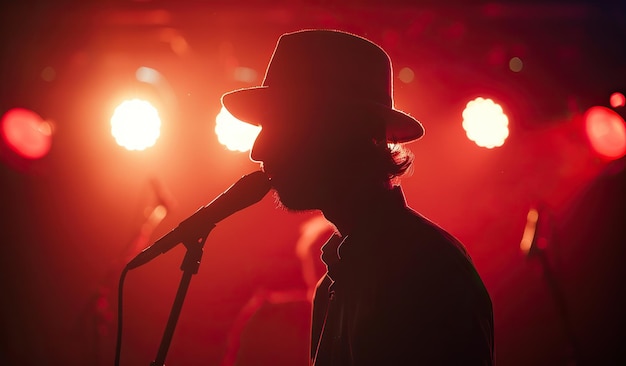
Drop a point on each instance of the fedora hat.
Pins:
(318, 67)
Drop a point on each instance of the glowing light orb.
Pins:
(485, 123)
(516, 64)
(406, 75)
(135, 124)
(26, 133)
(617, 100)
(606, 131)
(233, 133)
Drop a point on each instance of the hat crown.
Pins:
(319, 67)
(333, 65)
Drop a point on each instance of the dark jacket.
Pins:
(400, 291)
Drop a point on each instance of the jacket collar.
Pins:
(370, 227)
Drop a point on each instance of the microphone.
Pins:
(248, 190)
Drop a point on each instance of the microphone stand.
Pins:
(189, 266)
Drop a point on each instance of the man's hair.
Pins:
(364, 133)
(393, 160)
(402, 160)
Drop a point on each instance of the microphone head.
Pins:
(251, 188)
(248, 190)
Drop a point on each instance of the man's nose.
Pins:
(259, 148)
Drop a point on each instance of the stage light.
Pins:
(485, 123)
(26, 133)
(528, 239)
(135, 124)
(617, 100)
(606, 131)
(233, 133)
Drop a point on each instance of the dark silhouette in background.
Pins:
(273, 327)
(588, 253)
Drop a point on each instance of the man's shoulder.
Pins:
(415, 229)
(420, 245)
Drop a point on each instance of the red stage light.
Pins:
(26, 133)
(606, 131)
(617, 100)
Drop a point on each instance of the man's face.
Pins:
(300, 157)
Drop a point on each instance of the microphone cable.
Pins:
(118, 343)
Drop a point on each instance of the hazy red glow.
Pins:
(48, 74)
(233, 133)
(485, 123)
(245, 74)
(135, 124)
(606, 131)
(617, 100)
(26, 133)
(75, 214)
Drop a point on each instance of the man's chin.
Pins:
(292, 202)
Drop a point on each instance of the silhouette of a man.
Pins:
(399, 289)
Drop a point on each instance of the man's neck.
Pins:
(348, 207)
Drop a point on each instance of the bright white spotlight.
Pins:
(135, 124)
(233, 133)
(485, 123)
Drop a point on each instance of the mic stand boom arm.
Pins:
(190, 266)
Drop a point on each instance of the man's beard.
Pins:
(298, 194)
(294, 200)
(289, 206)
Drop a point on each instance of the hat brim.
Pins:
(250, 105)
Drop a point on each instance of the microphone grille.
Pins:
(252, 187)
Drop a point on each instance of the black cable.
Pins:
(118, 346)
